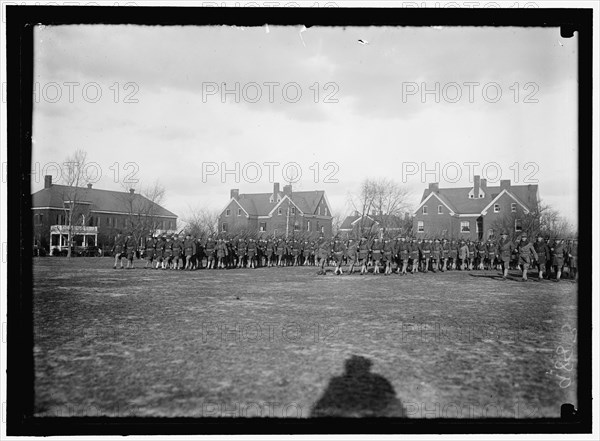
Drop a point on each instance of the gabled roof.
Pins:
(458, 201)
(258, 204)
(99, 200)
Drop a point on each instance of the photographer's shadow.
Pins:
(358, 393)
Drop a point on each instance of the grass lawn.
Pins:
(269, 341)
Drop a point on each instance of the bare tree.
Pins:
(202, 222)
(381, 201)
(74, 178)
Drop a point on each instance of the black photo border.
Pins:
(20, 362)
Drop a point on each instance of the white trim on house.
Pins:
(360, 217)
(491, 204)
(228, 203)
(438, 198)
(281, 202)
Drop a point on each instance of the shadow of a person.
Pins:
(358, 393)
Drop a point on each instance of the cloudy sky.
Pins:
(152, 102)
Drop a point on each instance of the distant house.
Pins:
(282, 212)
(357, 224)
(99, 215)
(473, 212)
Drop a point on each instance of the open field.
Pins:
(268, 341)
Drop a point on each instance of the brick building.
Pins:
(382, 224)
(282, 212)
(473, 212)
(98, 215)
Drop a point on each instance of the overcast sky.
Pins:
(369, 119)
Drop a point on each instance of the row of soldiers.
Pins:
(401, 255)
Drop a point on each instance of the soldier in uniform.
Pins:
(210, 248)
(526, 250)
(414, 256)
(426, 254)
(403, 251)
(130, 248)
(189, 248)
(445, 254)
(572, 253)
(324, 253)
(505, 249)
(481, 251)
(221, 251)
(472, 251)
(376, 254)
(296, 252)
(351, 254)
(252, 251)
(558, 257)
(490, 254)
(388, 255)
(436, 253)
(159, 251)
(363, 254)
(543, 252)
(150, 249)
(117, 249)
(338, 250)
(453, 255)
(463, 255)
(168, 252)
(242, 250)
(177, 247)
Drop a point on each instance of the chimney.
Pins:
(234, 193)
(287, 189)
(47, 181)
(483, 185)
(434, 186)
(476, 184)
(505, 184)
(131, 190)
(275, 189)
(90, 185)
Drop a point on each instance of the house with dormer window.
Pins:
(472, 212)
(279, 213)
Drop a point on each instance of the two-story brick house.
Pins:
(98, 215)
(473, 212)
(282, 212)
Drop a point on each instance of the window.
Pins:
(420, 227)
(518, 225)
(322, 229)
(496, 208)
(490, 233)
(513, 207)
(224, 227)
(465, 227)
(470, 196)
(480, 195)
(424, 209)
(440, 209)
(293, 212)
(239, 211)
(325, 210)
(279, 211)
(296, 226)
(227, 212)
(319, 211)
(263, 226)
(307, 225)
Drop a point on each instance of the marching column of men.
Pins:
(400, 255)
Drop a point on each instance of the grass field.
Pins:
(269, 341)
